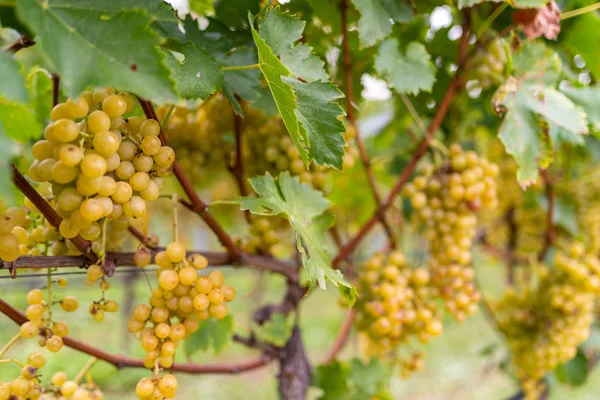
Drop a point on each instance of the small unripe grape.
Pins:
(92, 209)
(201, 302)
(28, 330)
(77, 108)
(68, 228)
(168, 279)
(62, 173)
(216, 278)
(199, 261)
(203, 285)
(106, 143)
(143, 163)
(168, 386)
(218, 311)
(164, 157)
(35, 296)
(114, 106)
(135, 207)
(65, 130)
(36, 360)
(107, 186)
(69, 199)
(127, 150)
(139, 181)
(228, 293)
(150, 145)
(151, 193)
(125, 170)
(60, 328)
(58, 378)
(141, 312)
(144, 388)
(87, 186)
(187, 275)
(69, 303)
(142, 257)
(68, 388)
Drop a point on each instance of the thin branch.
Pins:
(549, 235)
(341, 339)
(21, 43)
(55, 88)
(140, 236)
(122, 361)
(262, 263)
(198, 206)
(364, 157)
(48, 212)
(421, 148)
(238, 167)
(580, 11)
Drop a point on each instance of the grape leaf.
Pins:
(17, 121)
(398, 10)
(369, 378)
(575, 371)
(305, 209)
(230, 48)
(203, 7)
(13, 84)
(527, 96)
(319, 114)
(89, 44)
(234, 13)
(589, 99)
(276, 330)
(198, 75)
(280, 31)
(39, 86)
(406, 73)
(583, 39)
(310, 118)
(374, 23)
(333, 379)
(215, 333)
(7, 147)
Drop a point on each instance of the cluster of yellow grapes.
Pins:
(182, 295)
(95, 274)
(265, 235)
(102, 167)
(445, 201)
(487, 66)
(40, 315)
(545, 324)
(396, 302)
(11, 227)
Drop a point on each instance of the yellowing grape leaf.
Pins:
(529, 100)
(99, 43)
(305, 208)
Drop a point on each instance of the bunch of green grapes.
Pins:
(63, 388)
(176, 307)
(487, 66)
(12, 221)
(102, 167)
(265, 235)
(396, 302)
(202, 138)
(41, 316)
(518, 219)
(445, 201)
(545, 324)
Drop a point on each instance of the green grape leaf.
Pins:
(91, 43)
(308, 110)
(7, 148)
(215, 333)
(276, 331)
(230, 48)
(410, 72)
(304, 207)
(333, 379)
(198, 75)
(203, 7)
(18, 122)
(234, 13)
(575, 371)
(369, 378)
(529, 99)
(583, 39)
(280, 31)
(587, 98)
(399, 11)
(13, 84)
(374, 23)
(8, 19)
(319, 114)
(39, 86)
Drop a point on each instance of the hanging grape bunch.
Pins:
(445, 201)
(396, 303)
(545, 324)
(487, 66)
(102, 167)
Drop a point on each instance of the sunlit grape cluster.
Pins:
(545, 324)
(11, 228)
(27, 385)
(182, 299)
(487, 66)
(396, 302)
(102, 167)
(157, 387)
(63, 388)
(445, 200)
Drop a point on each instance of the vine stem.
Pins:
(122, 361)
(261, 263)
(364, 157)
(489, 20)
(55, 88)
(85, 369)
(580, 11)
(238, 168)
(422, 147)
(21, 43)
(8, 345)
(12, 360)
(197, 205)
(241, 67)
(342, 337)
